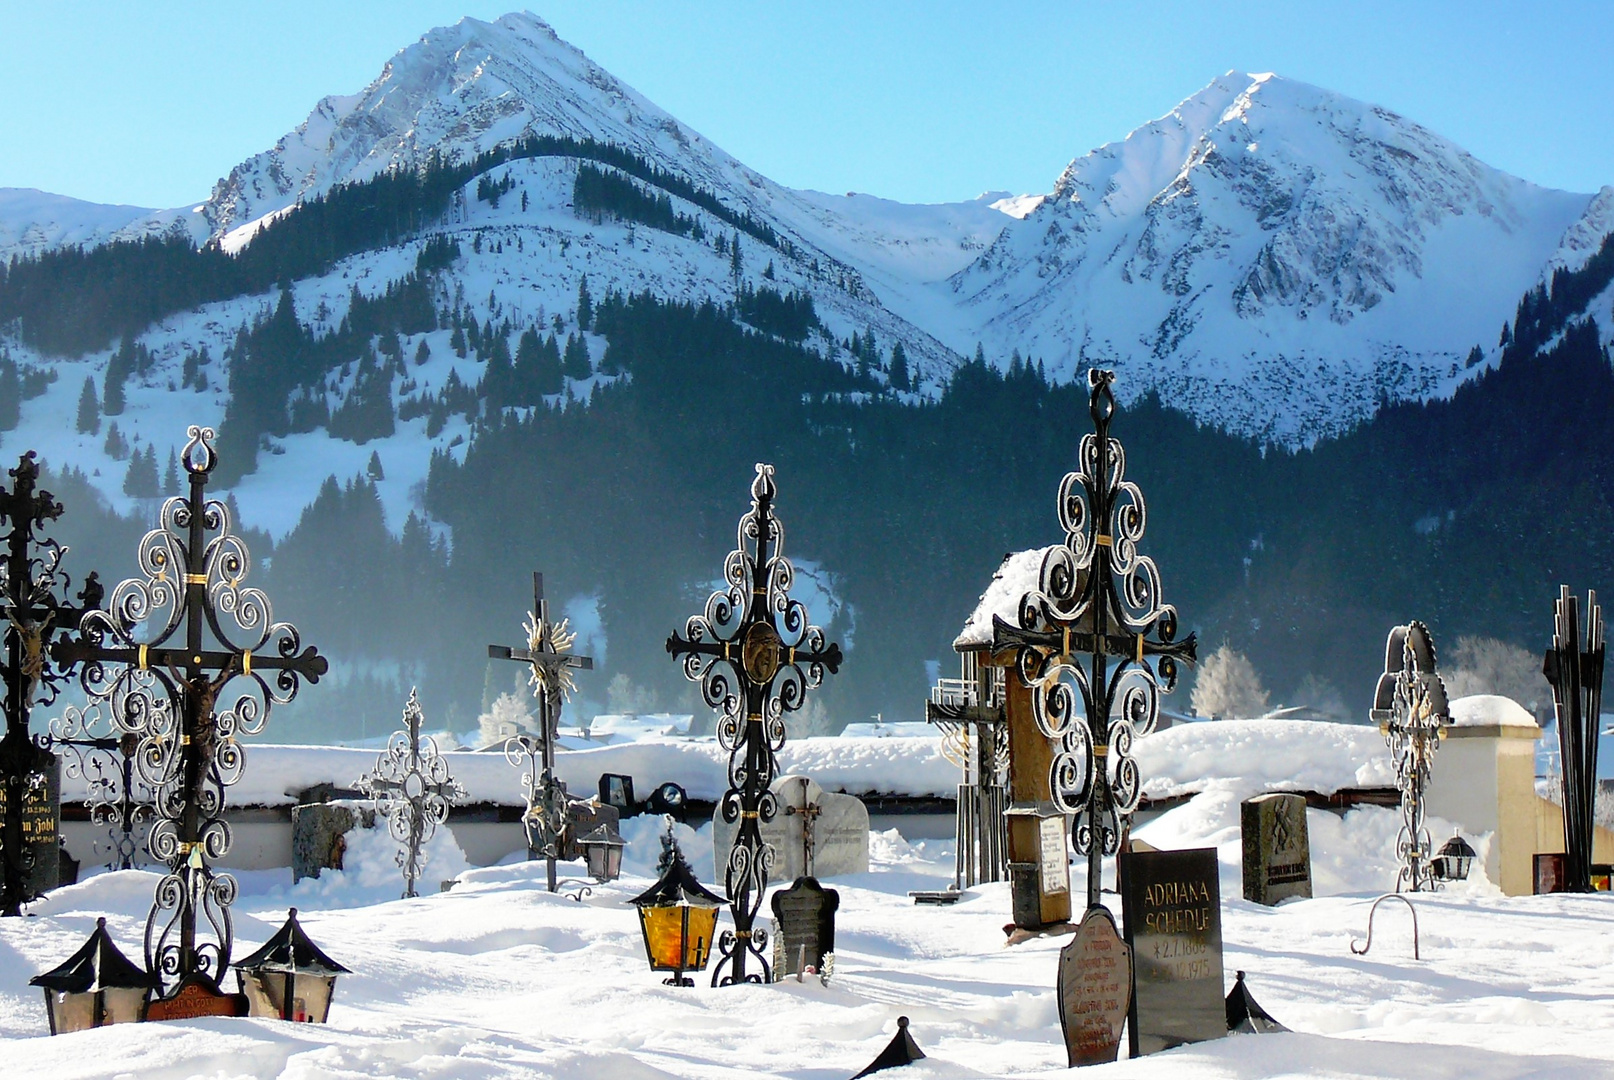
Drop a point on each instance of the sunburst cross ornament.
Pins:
(549, 653)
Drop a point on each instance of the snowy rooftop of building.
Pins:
(1015, 577)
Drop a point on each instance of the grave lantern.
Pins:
(602, 849)
(678, 917)
(95, 987)
(289, 978)
(1453, 860)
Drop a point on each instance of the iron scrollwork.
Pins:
(1097, 601)
(755, 656)
(413, 790)
(169, 645)
(31, 579)
(94, 752)
(1410, 707)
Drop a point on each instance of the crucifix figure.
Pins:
(1096, 603)
(1409, 705)
(168, 645)
(412, 790)
(30, 578)
(755, 656)
(549, 653)
(808, 811)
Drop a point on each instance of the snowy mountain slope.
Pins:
(1272, 257)
(33, 221)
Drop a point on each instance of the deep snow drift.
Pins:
(499, 979)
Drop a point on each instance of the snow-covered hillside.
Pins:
(1272, 257)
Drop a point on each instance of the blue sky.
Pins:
(150, 103)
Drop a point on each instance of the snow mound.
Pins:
(1253, 756)
(1485, 710)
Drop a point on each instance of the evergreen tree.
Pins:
(118, 370)
(141, 479)
(423, 352)
(575, 363)
(899, 368)
(373, 469)
(116, 448)
(89, 410)
(736, 264)
(585, 305)
(499, 382)
(171, 475)
(10, 395)
(456, 341)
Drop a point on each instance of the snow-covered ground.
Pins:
(499, 979)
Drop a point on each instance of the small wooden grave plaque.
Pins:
(1171, 908)
(196, 995)
(1095, 987)
(804, 918)
(1277, 848)
(1551, 871)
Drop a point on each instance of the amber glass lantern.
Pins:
(678, 917)
(289, 978)
(95, 987)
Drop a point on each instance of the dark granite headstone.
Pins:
(804, 922)
(1171, 909)
(1277, 848)
(1095, 986)
(583, 817)
(41, 809)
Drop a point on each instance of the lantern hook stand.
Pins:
(1368, 944)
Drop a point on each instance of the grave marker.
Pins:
(1277, 848)
(1172, 913)
(1095, 988)
(815, 833)
(804, 928)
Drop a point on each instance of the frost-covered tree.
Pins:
(507, 717)
(1487, 665)
(171, 476)
(623, 695)
(809, 720)
(1228, 687)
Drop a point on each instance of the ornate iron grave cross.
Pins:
(118, 799)
(1409, 704)
(412, 790)
(1576, 676)
(974, 722)
(755, 656)
(30, 578)
(169, 645)
(549, 652)
(1097, 600)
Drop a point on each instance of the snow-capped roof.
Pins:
(1015, 577)
(1484, 710)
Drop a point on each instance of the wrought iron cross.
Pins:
(755, 656)
(117, 798)
(1097, 601)
(30, 578)
(1576, 675)
(412, 790)
(169, 644)
(549, 653)
(1409, 705)
(809, 813)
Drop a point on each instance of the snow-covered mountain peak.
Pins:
(1262, 226)
(460, 90)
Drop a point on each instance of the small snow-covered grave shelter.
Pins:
(1039, 869)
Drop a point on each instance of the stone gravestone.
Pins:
(319, 834)
(814, 833)
(1277, 848)
(583, 816)
(804, 928)
(1171, 909)
(1095, 987)
(41, 805)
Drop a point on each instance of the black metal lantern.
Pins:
(95, 987)
(289, 978)
(602, 849)
(678, 917)
(1453, 861)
